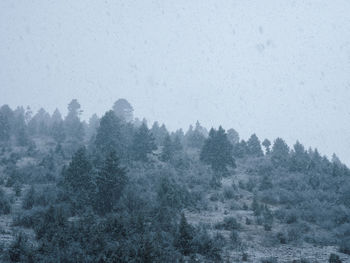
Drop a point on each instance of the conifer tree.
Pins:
(143, 143)
(254, 147)
(266, 143)
(218, 151)
(167, 151)
(110, 182)
(184, 236)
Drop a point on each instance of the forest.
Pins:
(116, 188)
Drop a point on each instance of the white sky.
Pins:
(276, 68)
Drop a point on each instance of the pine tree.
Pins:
(266, 143)
(280, 153)
(78, 178)
(254, 147)
(73, 126)
(110, 182)
(5, 125)
(167, 151)
(143, 143)
(184, 236)
(109, 135)
(218, 151)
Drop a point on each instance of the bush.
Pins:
(269, 260)
(333, 258)
(229, 223)
(229, 192)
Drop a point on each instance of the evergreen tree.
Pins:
(143, 143)
(299, 159)
(57, 131)
(280, 153)
(73, 126)
(109, 135)
(240, 149)
(78, 178)
(123, 110)
(167, 151)
(218, 151)
(5, 123)
(266, 143)
(233, 136)
(254, 147)
(196, 138)
(110, 182)
(184, 237)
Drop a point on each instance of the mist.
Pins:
(267, 67)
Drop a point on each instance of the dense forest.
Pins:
(118, 189)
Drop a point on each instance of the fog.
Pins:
(274, 68)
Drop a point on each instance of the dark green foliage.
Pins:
(269, 260)
(254, 147)
(229, 223)
(240, 149)
(299, 159)
(57, 131)
(5, 123)
(266, 143)
(184, 236)
(29, 199)
(123, 110)
(110, 182)
(218, 151)
(280, 153)
(73, 127)
(196, 138)
(5, 206)
(20, 250)
(78, 179)
(345, 246)
(143, 143)
(334, 258)
(168, 149)
(109, 135)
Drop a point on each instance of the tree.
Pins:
(73, 126)
(159, 133)
(266, 143)
(254, 147)
(78, 177)
(299, 159)
(184, 237)
(57, 131)
(5, 123)
(109, 135)
(218, 151)
(94, 123)
(196, 138)
(110, 181)
(280, 153)
(233, 136)
(167, 151)
(143, 143)
(123, 110)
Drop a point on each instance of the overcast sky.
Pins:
(274, 68)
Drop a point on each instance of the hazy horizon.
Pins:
(266, 67)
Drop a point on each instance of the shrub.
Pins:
(334, 258)
(269, 260)
(229, 192)
(229, 223)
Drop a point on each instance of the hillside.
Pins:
(114, 190)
